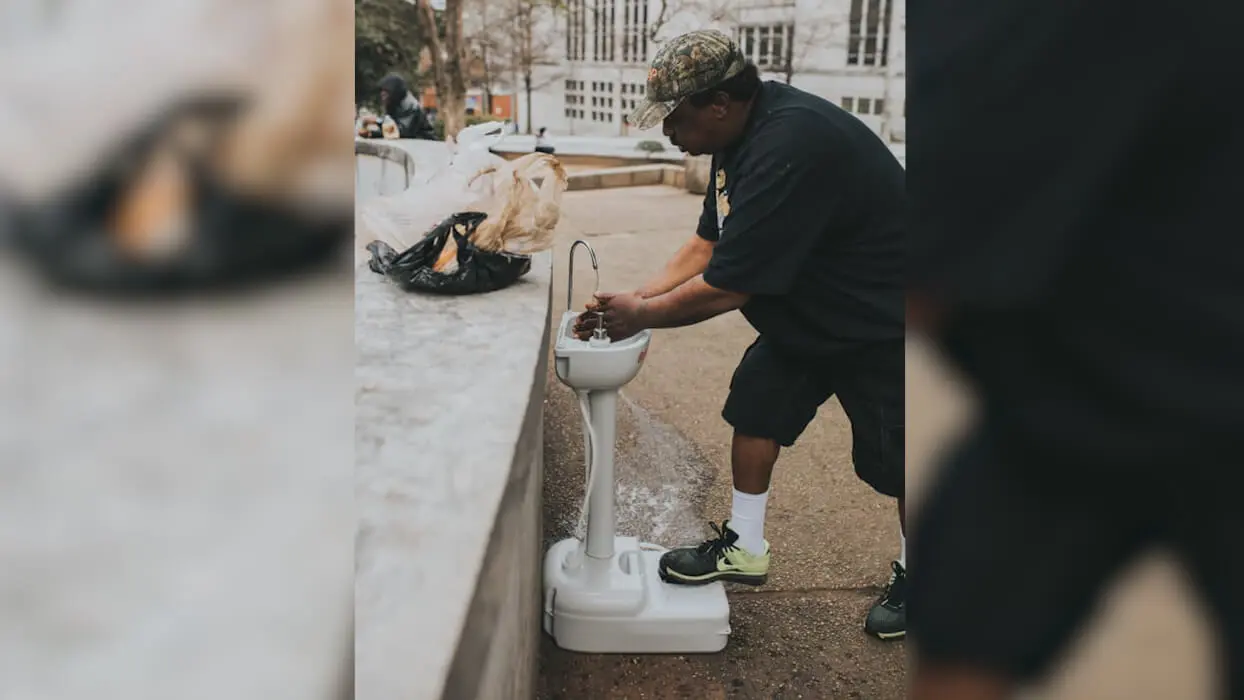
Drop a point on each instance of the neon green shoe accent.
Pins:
(716, 559)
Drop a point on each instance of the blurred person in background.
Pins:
(543, 143)
(367, 124)
(397, 103)
(1092, 296)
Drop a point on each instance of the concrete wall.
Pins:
(449, 466)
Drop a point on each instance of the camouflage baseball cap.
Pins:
(687, 64)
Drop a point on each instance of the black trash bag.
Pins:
(479, 271)
(235, 240)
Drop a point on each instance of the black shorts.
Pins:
(775, 395)
(1010, 559)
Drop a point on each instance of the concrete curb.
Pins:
(629, 176)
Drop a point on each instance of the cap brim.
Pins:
(650, 113)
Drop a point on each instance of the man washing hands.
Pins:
(803, 231)
(625, 314)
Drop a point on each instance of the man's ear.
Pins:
(721, 105)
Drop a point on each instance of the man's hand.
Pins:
(587, 322)
(618, 312)
(591, 317)
(622, 313)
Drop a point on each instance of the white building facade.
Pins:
(850, 52)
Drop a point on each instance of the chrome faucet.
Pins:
(570, 281)
(599, 331)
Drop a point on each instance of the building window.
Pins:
(611, 35)
(634, 31)
(643, 34)
(604, 40)
(573, 98)
(766, 45)
(868, 41)
(576, 30)
(864, 105)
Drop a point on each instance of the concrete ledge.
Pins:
(633, 176)
(449, 466)
(602, 161)
(607, 151)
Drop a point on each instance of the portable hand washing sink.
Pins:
(597, 364)
(604, 595)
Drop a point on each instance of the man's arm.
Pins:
(693, 257)
(690, 303)
(690, 260)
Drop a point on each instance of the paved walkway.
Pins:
(798, 637)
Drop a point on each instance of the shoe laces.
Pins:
(722, 543)
(897, 575)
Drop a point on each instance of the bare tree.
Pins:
(704, 11)
(489, 30)
(533, 50)
(448, 56)
(507, 39)
(805, 38)
(482, 42)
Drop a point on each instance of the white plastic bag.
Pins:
(521, 215)
(463, 179)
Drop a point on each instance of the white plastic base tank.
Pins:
(621, 606)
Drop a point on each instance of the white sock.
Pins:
(747, 518)
(902, 556)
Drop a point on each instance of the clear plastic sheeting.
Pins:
(466, 228)
(71, 91)
(192, 143)
(177, 515)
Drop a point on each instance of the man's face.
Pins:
(384, 98)
(698, 130)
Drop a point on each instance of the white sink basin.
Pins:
(597, 365)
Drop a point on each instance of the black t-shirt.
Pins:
(807, 213)
(1076, 184)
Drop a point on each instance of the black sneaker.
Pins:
(716, 559)
(888, 618)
